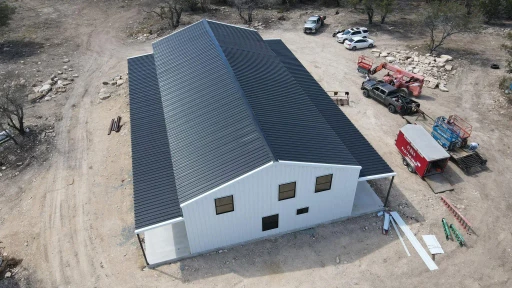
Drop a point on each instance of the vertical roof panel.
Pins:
(293, 127)
(371, 162)
(213, 135)
(155, 197)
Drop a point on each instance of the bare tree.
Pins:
(12, 101)
(245, 6)
(444, 19)
(170, 11)
(368, 6)
(385, 7)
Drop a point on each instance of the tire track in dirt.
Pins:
(73, 258)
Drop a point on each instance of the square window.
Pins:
(287, 191)
(270, 222)
(323, 183)
(302, 210)
(224, 205)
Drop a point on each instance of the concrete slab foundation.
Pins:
(166, 243)
(365, 201)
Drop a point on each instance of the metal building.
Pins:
(233, 140)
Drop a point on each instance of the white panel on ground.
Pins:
(415, 243)
(400, 236)
(432, 244)
(365, 200)
(166, 243)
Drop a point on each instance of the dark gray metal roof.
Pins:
(213, 135)
(216, 102)
(294, 129)
(154, 191)
(354, 141)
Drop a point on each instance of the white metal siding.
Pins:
(256, 196)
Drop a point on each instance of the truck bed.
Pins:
(468, 161)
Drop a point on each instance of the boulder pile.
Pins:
(110, 87)
(436, 70)
(58, 83)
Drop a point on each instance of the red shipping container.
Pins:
(420, 152)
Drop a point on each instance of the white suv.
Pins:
(352, 32)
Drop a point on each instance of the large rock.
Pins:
(431, 83)
(65, 60)
(63, 83)
(447, 57)
(390, 59)
(384, 54)
(416, 71)
(45, 89)
(441, 64)
(441, 60)
(375, 51)
(119, 82)
(443, 88)
(104, 94)
(33, 96)
(448, 67)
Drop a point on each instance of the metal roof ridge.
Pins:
(184, 28)
(237, 84)
(209, 20)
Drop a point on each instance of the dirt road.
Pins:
(71, 219)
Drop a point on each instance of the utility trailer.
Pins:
(423, 156)
(468, 161)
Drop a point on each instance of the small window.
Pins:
(286, 191)
(302, 210)
(356, 33)
(365, 31)
(323, 183)
(270, 222)
(224, 205)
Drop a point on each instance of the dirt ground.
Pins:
(70, 217)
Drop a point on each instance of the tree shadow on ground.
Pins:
(333, 244)
(18, 49)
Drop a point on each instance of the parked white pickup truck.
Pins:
(314, 23)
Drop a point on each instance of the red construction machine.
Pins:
(401, 79)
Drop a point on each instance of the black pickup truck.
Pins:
(391, 97)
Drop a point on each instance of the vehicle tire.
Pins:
(354, 48)
(370, 46)
(343, 41)
(410, 168)
(392, 109)
(366, 94)
(404, 91)
(404, 162)
(495, 66)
